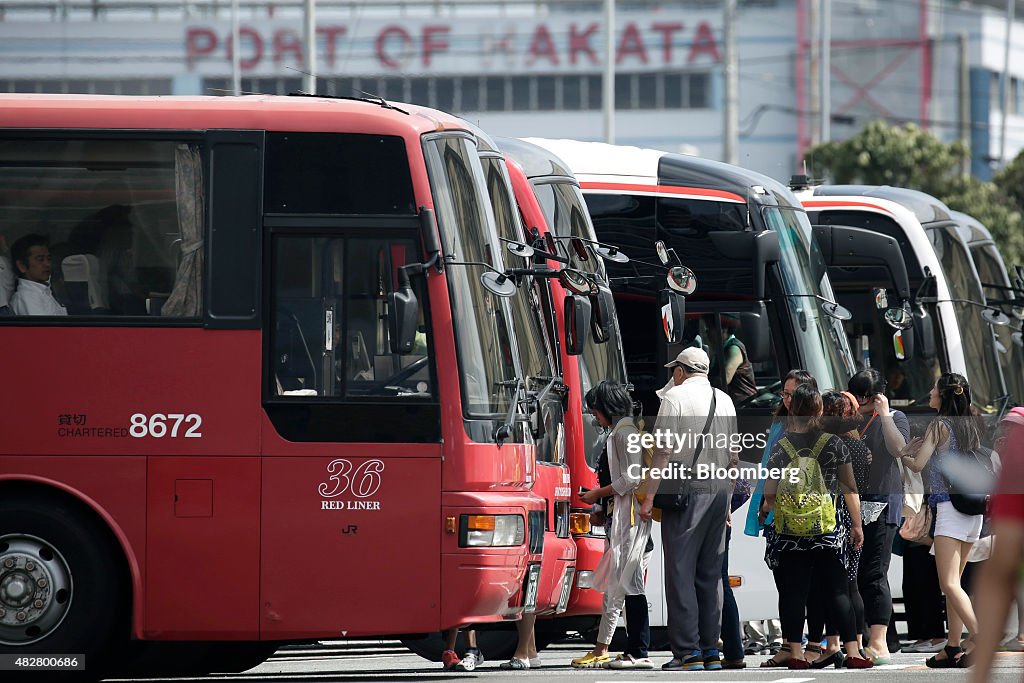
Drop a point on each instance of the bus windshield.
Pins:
(823, 343)
(486, 355)
(567, 215)
(979, 343)
(1011, 357)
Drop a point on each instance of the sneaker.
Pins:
(694, 662)
(754, 648)
(590, 661)
(929, 646)
(712, 660)
(535, 662)
(471, 661)
(449, 660)
(515, 664)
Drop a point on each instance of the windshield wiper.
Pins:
(504, 431)
(832, 309)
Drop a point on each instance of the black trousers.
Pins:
(830, 588)
(638, 626)
(818, 624)
(926, 608)
(873, 573)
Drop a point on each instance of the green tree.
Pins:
(908, 156)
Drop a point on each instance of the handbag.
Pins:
(679, 499)
(974, 503)
(917, 526)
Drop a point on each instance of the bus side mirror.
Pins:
(673, 315)
(403, 317)
(924, 334)
(603, 319)
(577, 323)
(766, 251)
(756, 333)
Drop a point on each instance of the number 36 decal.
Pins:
(173, 425)
(361, 480)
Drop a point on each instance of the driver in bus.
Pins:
(31, 256)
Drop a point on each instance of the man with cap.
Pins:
(693, 537)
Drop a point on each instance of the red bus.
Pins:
(280, 406)
(550, 198)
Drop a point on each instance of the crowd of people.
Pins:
(829, 531)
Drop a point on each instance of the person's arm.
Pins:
(916, 454)
(895, 435)
(771, 485)
(733, 361)
(630, 463)
(996, 588)
(849, 485)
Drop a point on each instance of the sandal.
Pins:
(776, 664)
(873, 656)
(952, 653)
(590, 661)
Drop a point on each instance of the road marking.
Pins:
(792, 680)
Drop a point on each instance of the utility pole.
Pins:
(608, 79)
(965, 98)
(309, 40)
(814, 87)
(1010, 8)
(236, 49)
(826, 71)
(730, 125)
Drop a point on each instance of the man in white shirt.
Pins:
(31, 256)
(693, 538)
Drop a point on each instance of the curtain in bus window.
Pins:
(185, 299)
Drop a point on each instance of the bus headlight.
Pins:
(477, 531)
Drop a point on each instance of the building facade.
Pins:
(528, 68)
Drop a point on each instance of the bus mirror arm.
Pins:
(841, 245)
(766, 251)
(428, 232)
(504, 431)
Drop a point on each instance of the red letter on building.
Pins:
(199, 42)
(257, 48)
(703, 43)
(666, 31)
(542, 45)
(580, 42)
(430, 46)
(332, 33)
(287, 40)
(382, 38)
(631, 44)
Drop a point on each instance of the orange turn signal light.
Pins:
(480, 522)
(735, 581)
(451, 525)
(579, 523)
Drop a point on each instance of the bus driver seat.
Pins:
(85, 284)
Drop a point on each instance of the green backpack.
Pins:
(804, 508)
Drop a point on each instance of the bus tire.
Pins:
(62, 588)
(496, 645)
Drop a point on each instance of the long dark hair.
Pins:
(955, 402)
(801, 377)
(840, 415)
(806, 405)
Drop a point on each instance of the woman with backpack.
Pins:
(840, 417)
(807, 535)
(629, 547)
(950, 440)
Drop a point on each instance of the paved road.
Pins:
(388, 661)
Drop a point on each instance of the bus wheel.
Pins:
(497, 645)
(59, 584)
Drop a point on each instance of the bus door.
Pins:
(351, 440)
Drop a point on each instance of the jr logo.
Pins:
(350, 529)
(361, 481)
